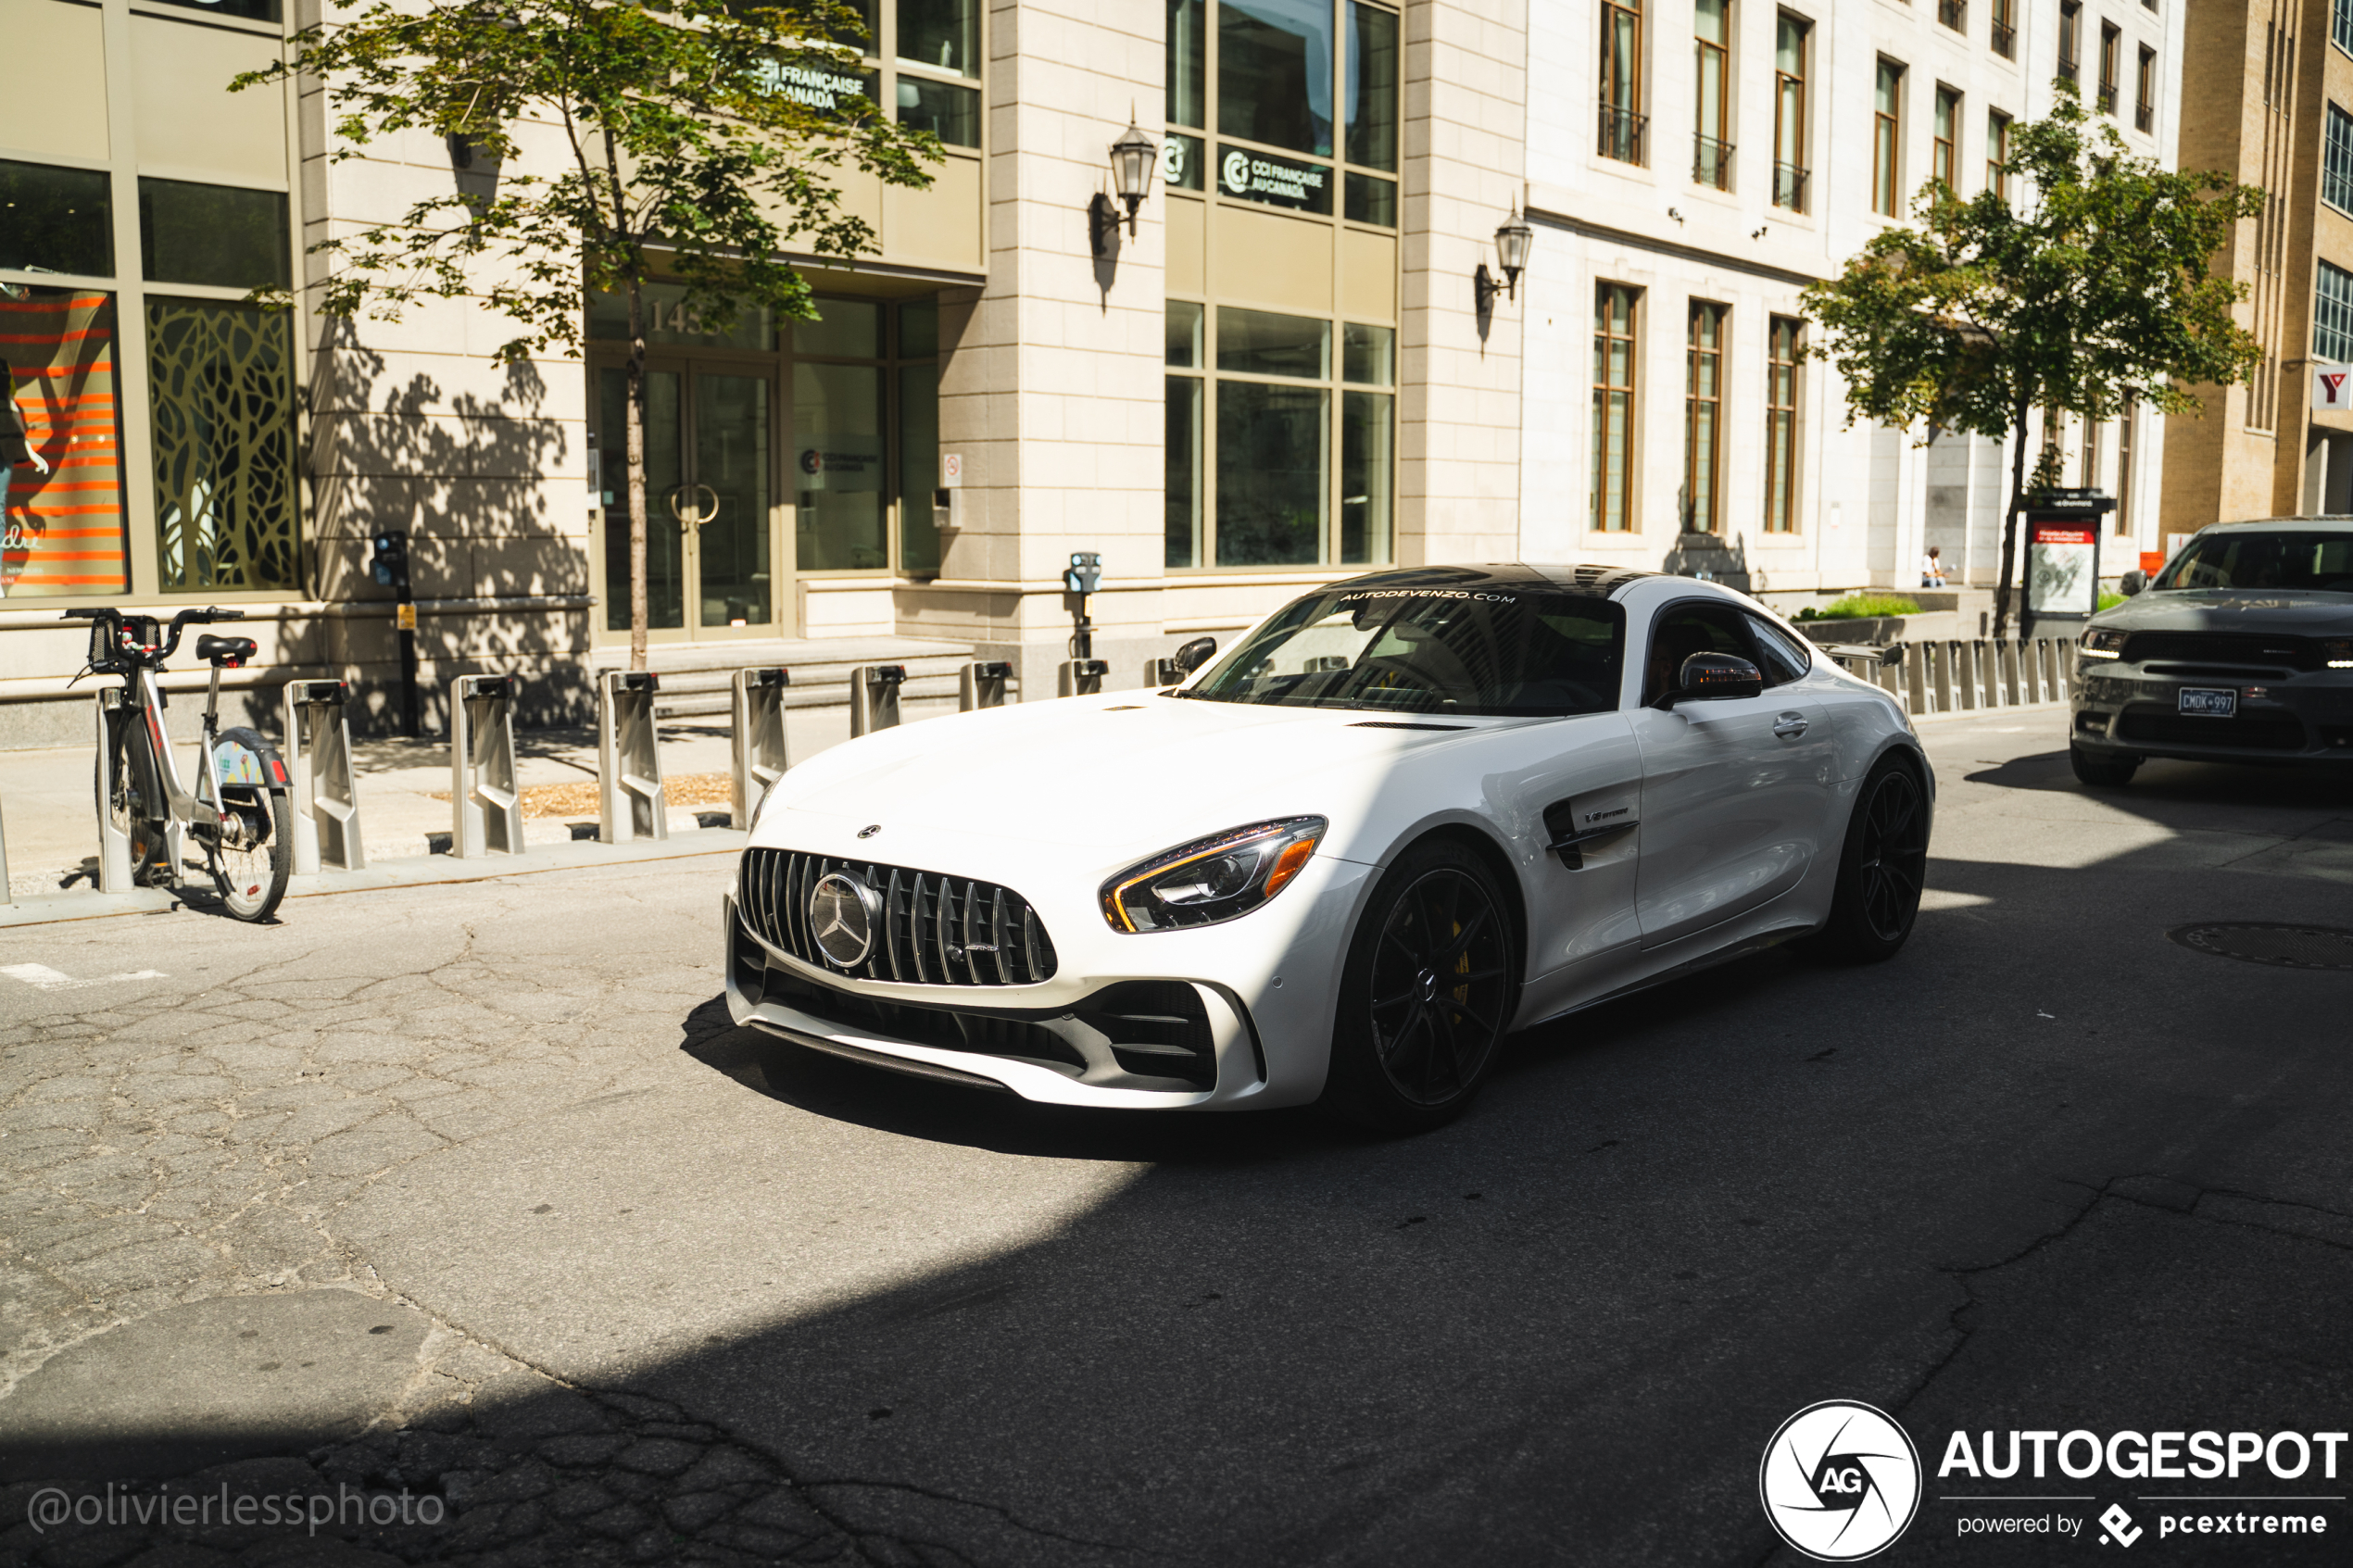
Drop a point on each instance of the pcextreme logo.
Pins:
(1839, 1481)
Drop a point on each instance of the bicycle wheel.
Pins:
(124, 804)
(250, 855)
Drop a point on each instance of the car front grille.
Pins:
(2249, 735)
(936, 929)
(2233, 650)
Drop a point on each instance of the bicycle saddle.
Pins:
(230, 651)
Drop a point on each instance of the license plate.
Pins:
(2208, 703)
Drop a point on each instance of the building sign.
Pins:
(844, 462)
(1273, 180)
(2332, 389)
(1180, 161)
(2062, 567)
(828, 89)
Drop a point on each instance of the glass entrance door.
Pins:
(709, 539)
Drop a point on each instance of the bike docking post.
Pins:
(982, 684)
(486, 804)
(1080, 677)
(630, 801)
(326, 795)
(756, 703)
(114, 843)
(873, 697)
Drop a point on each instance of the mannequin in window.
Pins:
(16, 448)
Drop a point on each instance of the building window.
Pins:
(212, 234)
(1275, 74)
(940, 41)
(1785, 352)
(1702, 417)
(1372, 113)
(2341, 26)
(220, 384)
(2145, 94)
(1953, 14)
(1887, 125)
(1712, 125)
(1622, 121)
(1612, 510)
(2005, 31)
(2111, 53)
(1997, 153)
(1790, 40)
(2090, 478)
(2071, 41)
(60, 221)
(64, 531)
(1185, 392)
(2336, 162)
(2126, 421)
(2332, 315)
(1943, 166)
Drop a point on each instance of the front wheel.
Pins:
(2101, 773)
(250, 855)
(1425, 995)
(1882, 868)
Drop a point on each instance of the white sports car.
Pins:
(1410, 812)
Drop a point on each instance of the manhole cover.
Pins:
(2270, 942)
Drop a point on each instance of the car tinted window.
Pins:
(2312, 563)
(1431, 650)
(1784, 660)
(1684, 629)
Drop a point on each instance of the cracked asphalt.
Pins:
(470, 1199)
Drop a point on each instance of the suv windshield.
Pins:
(2313, 563)
(1431, 650)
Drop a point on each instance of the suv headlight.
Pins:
(2102, 645)
(2338, 651)
(1211, 880)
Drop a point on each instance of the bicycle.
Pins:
(237, 812)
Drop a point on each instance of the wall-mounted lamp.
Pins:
(1514, 238)
(1132, 157)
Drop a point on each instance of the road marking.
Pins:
(42, 977)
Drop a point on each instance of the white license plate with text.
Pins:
(2208, 702)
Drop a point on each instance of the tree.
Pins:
(2092, 291)
(697, 139)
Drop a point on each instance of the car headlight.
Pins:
(1211, 880)
(2338, 651)
(2102, 645)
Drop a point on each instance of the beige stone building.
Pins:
(2274, 79)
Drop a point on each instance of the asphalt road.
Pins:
(472, 1192)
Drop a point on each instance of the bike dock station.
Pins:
(1970, 675)
(485, 800)
(756, 733)
(631, 803)
(982, 684)
(325, 819)
(873, 697)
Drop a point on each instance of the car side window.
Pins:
(1684, 629)
(1781, 659)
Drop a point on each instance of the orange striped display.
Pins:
(61, 343)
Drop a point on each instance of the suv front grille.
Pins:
(936, 929)
(2253, 734)
(2238, 650)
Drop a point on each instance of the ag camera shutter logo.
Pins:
(1839, 1481)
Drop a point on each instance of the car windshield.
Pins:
(1454, 651)
(2313, 563)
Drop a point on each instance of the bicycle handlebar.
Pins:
(154, 655)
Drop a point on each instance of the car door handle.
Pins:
(1789, 726)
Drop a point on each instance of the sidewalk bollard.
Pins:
(756, 703)
(982, 684)
(114, 842)
(485, 803)
(325, 825)
(631, 803)
(1080, 677)
(873, 697)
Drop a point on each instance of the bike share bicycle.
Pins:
(236, 815)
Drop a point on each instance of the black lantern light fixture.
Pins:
(1514, 239)
(1132, 157)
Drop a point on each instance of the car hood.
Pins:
(2214, 609)
(1126, 773)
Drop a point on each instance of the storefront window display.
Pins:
(64, 531)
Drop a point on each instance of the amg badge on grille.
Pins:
(843, 912)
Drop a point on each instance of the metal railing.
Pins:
(1953, 14)
(2145, 118)
(2107, 97)
(2005, 40)
(2069, 70)
(1965, 676)
(1789, 186)
(1622, 133)
(1711, 163)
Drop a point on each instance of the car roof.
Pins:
(1598, 581)
(2339, 523)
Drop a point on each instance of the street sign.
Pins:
(951, 470)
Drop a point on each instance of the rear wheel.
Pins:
(251, 857)
(2101, 773)
(1882, 868)
(1424, 996)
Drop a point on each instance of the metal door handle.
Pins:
(1789, 726)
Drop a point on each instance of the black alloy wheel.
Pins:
(1884, 868)
(1426, 995)
(2102, 773)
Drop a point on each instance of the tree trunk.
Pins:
(637, 422)
(2009, 525)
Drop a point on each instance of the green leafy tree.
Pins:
(2092, 290)
(612, 142)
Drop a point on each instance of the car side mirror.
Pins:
(1193, 655)
(1713, 676)
(2131, 583)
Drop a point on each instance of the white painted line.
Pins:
(42, 977)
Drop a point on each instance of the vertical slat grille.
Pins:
(936, 929)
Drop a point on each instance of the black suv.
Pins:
(2240, 651)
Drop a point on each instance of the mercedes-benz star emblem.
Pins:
(842, 912)
(870, 830)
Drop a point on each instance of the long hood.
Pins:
(2251, 610)
(1123, 773)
